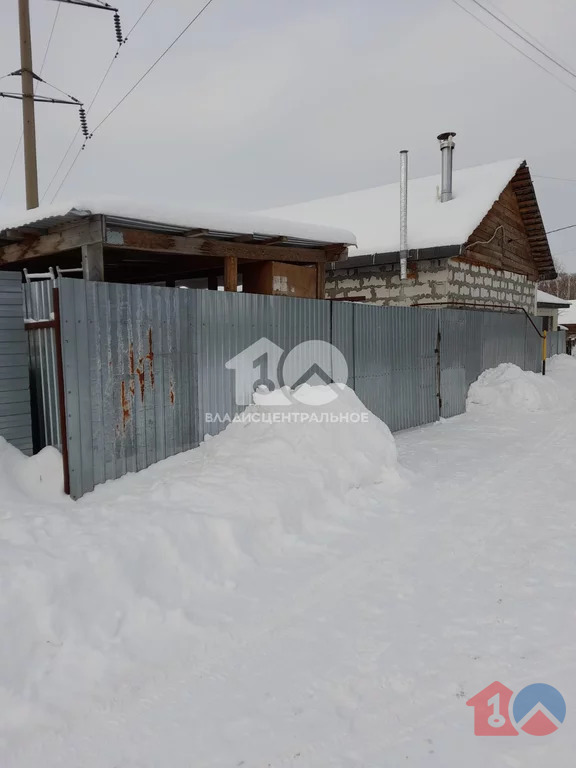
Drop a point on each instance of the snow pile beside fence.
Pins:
(508, 387)
(109, 585)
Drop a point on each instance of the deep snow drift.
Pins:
(287, 595)
(105, 586)
(508, 387)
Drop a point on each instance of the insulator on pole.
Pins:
(84, 122)
(118, 28)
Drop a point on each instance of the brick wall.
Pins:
(382, 284)
(440, 280)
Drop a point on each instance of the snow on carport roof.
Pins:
(178, 216)
(374, 214)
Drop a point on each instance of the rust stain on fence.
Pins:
(150, 357)
(125, 405)
(140, 369)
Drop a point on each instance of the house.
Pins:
(567, 318)
(124, 242)
(475, 238)
(548, 307)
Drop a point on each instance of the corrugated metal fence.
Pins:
(148, 371)
(556, 343)
(15, 418)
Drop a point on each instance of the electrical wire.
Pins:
(553, 178)
(525, 39)
(526, 32)
(132, 89)
(516, 48)
(153, 66)
(91, 104)
(560, 229)
(49, 43)
(20, 140)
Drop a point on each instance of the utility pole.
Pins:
(28, 106)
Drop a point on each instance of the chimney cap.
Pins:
(446, 136)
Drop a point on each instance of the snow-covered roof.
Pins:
(548, 298)
(177, 216)
(374, 214)
(568, 316)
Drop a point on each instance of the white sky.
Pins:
(270, 102)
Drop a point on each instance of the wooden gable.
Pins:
(511, 236)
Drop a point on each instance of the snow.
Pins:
(179, 216)
(508, 387)
(313, 594)
(374, 214)
(548, 298)
(568, 316)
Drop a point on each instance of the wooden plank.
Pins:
(144, 240)
(83, 233)
(230, 273)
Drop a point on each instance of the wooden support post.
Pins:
(93, 262)
(321, 281)
(230, 273)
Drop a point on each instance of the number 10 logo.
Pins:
(538, 710)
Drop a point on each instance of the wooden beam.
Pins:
(145, 240)
(93, 262)
(84, 233)
(230, 273)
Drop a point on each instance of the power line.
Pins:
(133, 88)
(560, 229)
(553, 178)
(49, 43)
(91, 104)
(19, 144)
(516, 48)
(153, 66)
(527, 32)
(525, 39)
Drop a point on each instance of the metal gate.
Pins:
(44, 354)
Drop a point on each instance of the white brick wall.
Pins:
(435, 281)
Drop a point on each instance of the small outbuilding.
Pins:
(548, 307)
(567, 318)
(124, 242)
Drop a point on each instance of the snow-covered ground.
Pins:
(297, 594)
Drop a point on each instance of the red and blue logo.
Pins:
(538, 709)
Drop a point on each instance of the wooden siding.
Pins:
(511, 236)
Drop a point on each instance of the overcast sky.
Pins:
(271, 102)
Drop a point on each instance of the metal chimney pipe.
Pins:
(403, 214)
(447, 147)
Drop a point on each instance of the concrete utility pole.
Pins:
(28, 106)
